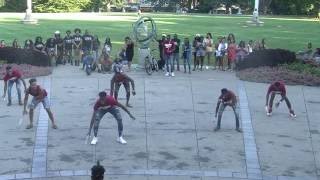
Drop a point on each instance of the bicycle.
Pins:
(151, 63)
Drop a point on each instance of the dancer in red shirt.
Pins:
(275, 88)
(107, 104)
(39, 96)
(13, 76)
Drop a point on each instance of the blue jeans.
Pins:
(18, 86)
(99, 115)
(176, 58)
(169, 60)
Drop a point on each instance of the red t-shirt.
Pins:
(229, 96)
(274, 88)
(168, 47)
(37, 91)
(107, 101)
(15, 73)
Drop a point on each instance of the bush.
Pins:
(303, 68)
(267, 57)
(23, 56)
(55, 6)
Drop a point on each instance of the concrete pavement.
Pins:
(172, 137)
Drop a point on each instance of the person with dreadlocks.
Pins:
(120, 78)
(97, 172)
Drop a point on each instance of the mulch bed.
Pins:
(27, 70)
(268, 74)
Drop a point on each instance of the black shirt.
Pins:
(129, 49)
(68, 42)
(176, 50)
(77, 39)
(50, 43)
(87, 41)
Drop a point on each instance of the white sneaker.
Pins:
(121, 140)
(207, 67)
(167, 74)
(172, 74)
(293, 115)
(94, 140)
(269, 114)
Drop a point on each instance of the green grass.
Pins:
(289, 33)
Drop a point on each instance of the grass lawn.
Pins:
(280, 32)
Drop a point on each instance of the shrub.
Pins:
(23, 56)
(267, 57)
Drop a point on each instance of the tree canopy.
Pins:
(285, 7)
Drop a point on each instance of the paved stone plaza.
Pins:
(172, 137)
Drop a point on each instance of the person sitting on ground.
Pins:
(120, 78)
(105, 63)
(13, 76)
(97, 172)
(227, 98)
(39, 96)
(275, 88)
(87, 60)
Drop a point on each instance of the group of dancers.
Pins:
(108, 103)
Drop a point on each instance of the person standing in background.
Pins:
(129, 48)
(176, 51)
(209, 49)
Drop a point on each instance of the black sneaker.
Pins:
(216, 129)
(239, 130)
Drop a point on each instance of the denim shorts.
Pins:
(35, 102)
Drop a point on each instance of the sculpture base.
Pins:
(143, 53)
(255, 23)
(29, 20)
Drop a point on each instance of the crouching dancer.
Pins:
(107, 104)
(275, 88)
(227, 98)
(39, 95)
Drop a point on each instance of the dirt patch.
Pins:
(270, 74)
